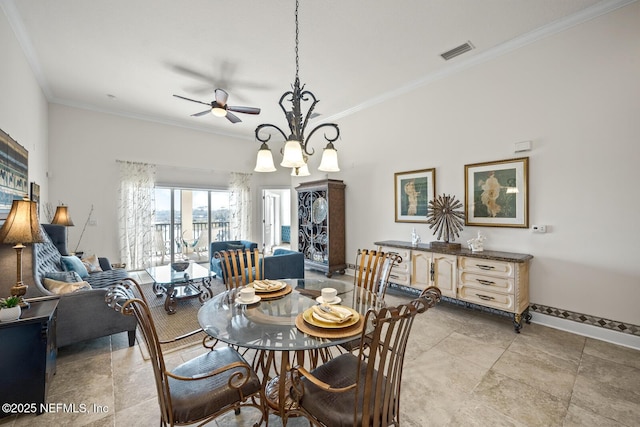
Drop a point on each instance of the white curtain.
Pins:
(136, 212)
(240, 204)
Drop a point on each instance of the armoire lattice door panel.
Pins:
(321, 236)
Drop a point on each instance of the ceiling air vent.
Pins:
(463, 48)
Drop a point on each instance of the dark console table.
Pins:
(28, 358)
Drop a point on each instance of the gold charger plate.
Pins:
(350, 331)
(266, 296)
(308, 317)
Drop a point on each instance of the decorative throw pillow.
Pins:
(233, 246)
(92, 264)
(73, 263)
(63, 276)
(59, 288)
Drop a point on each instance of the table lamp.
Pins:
(62, 217)
(21, 226)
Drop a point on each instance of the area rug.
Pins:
(169, 326)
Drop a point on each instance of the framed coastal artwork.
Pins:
(14, 167)
(413, 190)
(497, 193)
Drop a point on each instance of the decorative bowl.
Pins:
(179, 265)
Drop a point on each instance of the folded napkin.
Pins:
(266, 285)
(331, 314)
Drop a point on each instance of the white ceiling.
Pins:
(130, 56)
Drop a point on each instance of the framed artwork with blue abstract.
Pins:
(14, 172)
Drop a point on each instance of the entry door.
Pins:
(270, 204)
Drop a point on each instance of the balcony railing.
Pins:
(220, 231)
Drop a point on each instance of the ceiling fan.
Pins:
(219, 107)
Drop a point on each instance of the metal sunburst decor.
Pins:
(445, 217)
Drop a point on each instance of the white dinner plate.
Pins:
(253, 301)
(337, 300)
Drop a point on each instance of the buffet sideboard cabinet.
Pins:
(497, 281)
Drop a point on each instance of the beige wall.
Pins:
(575, 95)
(84, 147)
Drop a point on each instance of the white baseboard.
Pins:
(608, 335)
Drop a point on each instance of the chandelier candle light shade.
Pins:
(296, 151)
(22, 226)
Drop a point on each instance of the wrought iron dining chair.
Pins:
(240, 267)
(373, 269)
(372, 273)
(363, 389)
(200, 389)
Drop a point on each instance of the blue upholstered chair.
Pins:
(216, 267)
(284, 264)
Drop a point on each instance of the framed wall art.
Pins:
(497, 193)
(14, 168)
(413, 190)
(35, 195)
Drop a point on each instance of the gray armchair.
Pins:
(82, 315)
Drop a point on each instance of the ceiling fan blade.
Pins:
(202, 113)
(232, 117)
(192, 100)
(221, 97)
(245, 110)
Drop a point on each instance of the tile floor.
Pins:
(462, 368)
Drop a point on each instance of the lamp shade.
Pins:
(264, 161)
(329, 162)
(301, 171)
(22, 225)
(292, 154)
(62, 217)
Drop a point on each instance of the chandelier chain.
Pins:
(297, 34)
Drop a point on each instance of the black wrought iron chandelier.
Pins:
(296, 150)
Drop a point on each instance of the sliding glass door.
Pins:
(186, 221)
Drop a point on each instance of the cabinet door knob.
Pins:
(485, 297)
(485, 267)
(485, 282)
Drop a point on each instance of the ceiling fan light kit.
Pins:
(218, 111)
(296, 151)
(219, 108)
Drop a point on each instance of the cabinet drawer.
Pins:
(402, 268)
(487, 298)
(486, 266)
(399, 278)
(404, 253)
(486, 282)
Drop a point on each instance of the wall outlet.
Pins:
(93, 222)
(539, 228)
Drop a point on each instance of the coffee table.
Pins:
(194, 282)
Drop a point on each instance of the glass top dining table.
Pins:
(270, 323)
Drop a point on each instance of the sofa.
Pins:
(83, 314)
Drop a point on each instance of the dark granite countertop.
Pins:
(494, 255)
